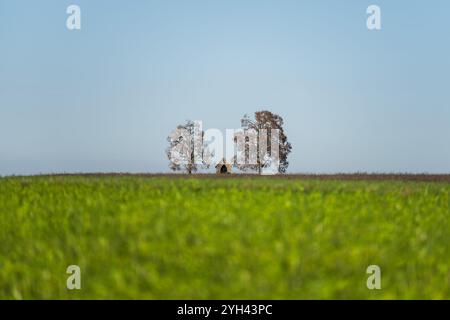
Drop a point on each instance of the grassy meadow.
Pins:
(171, 237)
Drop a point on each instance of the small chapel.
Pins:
(223, 167)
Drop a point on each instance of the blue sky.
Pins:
(105, 98)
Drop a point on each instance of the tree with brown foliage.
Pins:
(269, 131)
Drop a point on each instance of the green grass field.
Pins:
(222, 238)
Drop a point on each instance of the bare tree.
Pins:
(270, 142)
(185, 151)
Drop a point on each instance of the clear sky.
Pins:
(104, 98)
